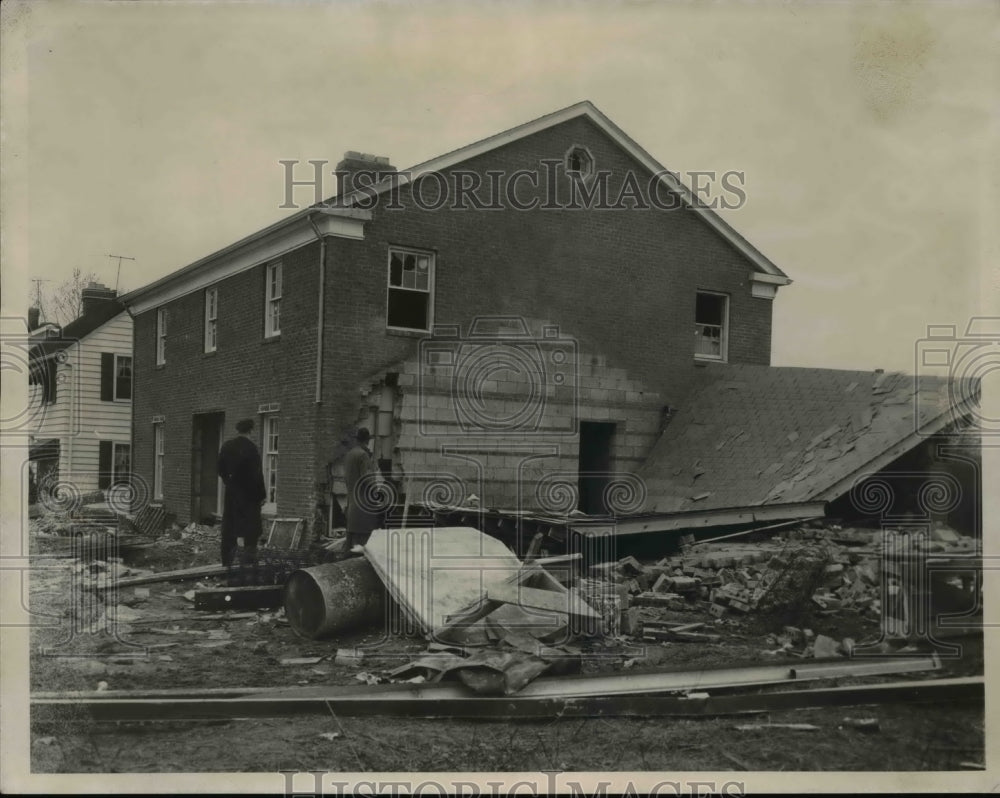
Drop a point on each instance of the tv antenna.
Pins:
(38, 290)
(120, 259)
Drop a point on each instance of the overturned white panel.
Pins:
(435, 573)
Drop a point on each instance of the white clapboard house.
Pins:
(80, 393)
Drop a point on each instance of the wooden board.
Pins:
(239, 598)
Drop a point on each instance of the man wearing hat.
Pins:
(361, 476)
(242, 474)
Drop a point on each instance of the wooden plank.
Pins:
(168, 576)
(239, 598)
(428, 702)
(642, 683)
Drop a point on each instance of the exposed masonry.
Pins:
(436, 455)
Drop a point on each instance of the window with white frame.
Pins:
(158, 461)
(272, 307)
(121, 463)
(271, 460)
(711, 323)
(211, 317)
(123, 378)
(579, 162)
(411, 290)
(161, 336)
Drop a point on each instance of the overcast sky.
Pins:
(155, 131)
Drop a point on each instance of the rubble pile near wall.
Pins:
(780, 583)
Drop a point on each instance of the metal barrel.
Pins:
(334, 597)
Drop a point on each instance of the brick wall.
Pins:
(244, 371)
(621, 284)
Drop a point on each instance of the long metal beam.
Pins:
(63, 711)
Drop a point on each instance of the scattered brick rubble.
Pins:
(835, 569)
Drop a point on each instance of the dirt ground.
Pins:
(84, 645)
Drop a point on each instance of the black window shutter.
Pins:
(51, 374)
(107, 377)
(104, 465)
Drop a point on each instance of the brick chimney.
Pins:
(95, 297)
(355, 162)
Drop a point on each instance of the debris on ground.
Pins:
(804, 598)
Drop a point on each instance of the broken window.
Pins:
(411, 286)
(579, 162)
(711, 318)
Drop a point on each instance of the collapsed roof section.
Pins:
(766, 437)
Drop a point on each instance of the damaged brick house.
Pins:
(503, 318)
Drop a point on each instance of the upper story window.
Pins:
(272, 306)
(116, 377)
(579, 162)
(123, 377)
(411, 290)
(161, 336)
(211, 318)
(711, 326)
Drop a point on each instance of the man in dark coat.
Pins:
(241, 473)
(363, 499)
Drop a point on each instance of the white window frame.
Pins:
(589, 168)
(158, 461)
(273, 290)
(211, 319)
(114, 380)
(115, 446)
(270, 429)
(431, 275)
(723, 356)
(161, 336)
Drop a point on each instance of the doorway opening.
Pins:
(596, 439)
(206, 488)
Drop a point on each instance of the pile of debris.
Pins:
(786, 579)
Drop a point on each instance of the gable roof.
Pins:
(78, 329)
(588, 110)
(760, 435)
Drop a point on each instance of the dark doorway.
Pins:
(206, 487)
(595, 465)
